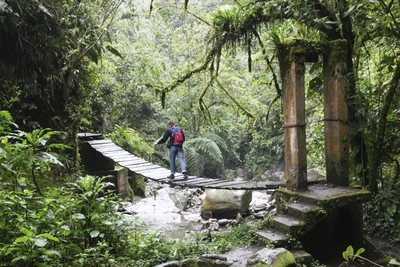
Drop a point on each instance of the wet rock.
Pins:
(315, 175)
(196, 262)
(239, 219)
(211, 225)
(206, 215)
(261, 214)
(249, 218)
(273, 175)
(226, 203)
(272, 257)
(224, 222)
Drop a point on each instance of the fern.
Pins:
(204, 155)
(206, 146)
(195, 162)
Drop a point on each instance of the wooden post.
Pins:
(292, 73)
(336, 127)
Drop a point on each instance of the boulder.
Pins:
(225, 204)
(197, 262)
(278, 257)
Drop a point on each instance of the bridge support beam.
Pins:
(336, 127)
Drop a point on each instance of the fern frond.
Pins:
(218, 140)
(206, 146)
(195, 162)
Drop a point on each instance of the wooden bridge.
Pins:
(103, 154)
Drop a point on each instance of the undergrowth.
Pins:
(382, 213)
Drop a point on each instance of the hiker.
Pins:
(175, 142)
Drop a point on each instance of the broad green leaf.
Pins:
(394, 262)
(79, 216)
(52, 252)
(360, 251)
(49, 236)
(26, 232)
(73, 249)
(94, 233)
(41, 242)
(21, 239)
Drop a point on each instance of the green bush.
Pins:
(64, 227)
(382, 213)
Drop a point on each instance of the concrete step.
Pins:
(305, 211)
(272, 235)
(302, 257)
(287, 224)
(319, 194)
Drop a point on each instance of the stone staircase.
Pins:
(311, 214)
(294, 219)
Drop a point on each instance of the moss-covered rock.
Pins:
(279, 257)
(196, 262)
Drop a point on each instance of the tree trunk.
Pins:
(377, 154)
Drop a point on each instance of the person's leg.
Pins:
(181, 158)
(172, 154)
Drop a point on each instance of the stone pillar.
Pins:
(292, 73)
(336, 127)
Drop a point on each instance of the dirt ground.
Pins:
(240, 255)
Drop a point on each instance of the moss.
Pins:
(335, 52)
(296, 50)
(284, 259)
(285, 196)
(344, 199)
(137, 185)
(197, 262)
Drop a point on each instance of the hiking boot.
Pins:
(171, 177)
(185, 176)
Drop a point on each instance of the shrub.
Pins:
(382, 213)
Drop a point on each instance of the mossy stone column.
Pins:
(291, 59)
(335, 100)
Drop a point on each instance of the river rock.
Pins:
(272, 257)
(226, 203)
(196, 262)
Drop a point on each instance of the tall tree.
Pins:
(45, 48)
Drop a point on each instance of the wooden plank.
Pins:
(155, 174)
(89, 135)
(139, 165)
(188, 183)
(139, 168)
(107, 144)
(114, 149)
(115, 154)
(132, 161)
(127, 157)
(103, 141)
(134, 164)
(194, 180)
(204, 181)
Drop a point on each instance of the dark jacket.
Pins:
(168, 135)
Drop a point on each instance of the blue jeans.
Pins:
(173, 152)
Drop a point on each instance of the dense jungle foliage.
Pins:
(123, 68)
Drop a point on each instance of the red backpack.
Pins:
(177, 135)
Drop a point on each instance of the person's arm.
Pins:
(165, 137)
